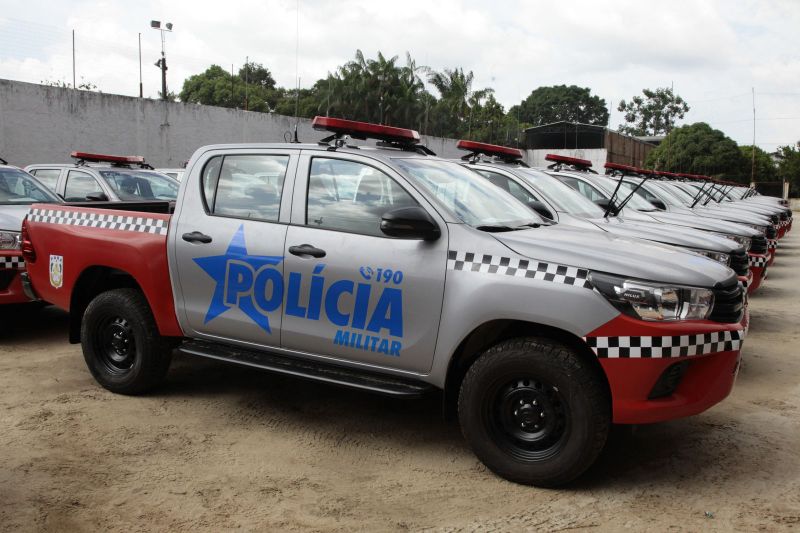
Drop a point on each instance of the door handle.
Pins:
(196, 236)
(306, 249)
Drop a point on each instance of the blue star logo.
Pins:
(218, 268)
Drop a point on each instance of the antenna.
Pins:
(753, 162)
(297, 64)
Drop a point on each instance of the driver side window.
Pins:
(350, 196)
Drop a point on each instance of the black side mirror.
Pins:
(540, 208)
(410, 223)
(605, 204)
(658, 204)
(97, 197)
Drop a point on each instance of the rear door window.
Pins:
(245, 186)
(47, 176)
(80, 185)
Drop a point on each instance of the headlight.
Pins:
(744, 241)
(761, 229)
(9, 240)
(721, 257)
(654, 301)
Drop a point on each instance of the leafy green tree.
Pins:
(557, 103)
(216, 86)
(700, 149)
(789, 165)
(653, 114)
(765, 169)
(457, 101)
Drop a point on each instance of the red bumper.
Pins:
(758, 266)
(710, 351)
(10, 282)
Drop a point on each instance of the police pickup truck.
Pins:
(387, 269)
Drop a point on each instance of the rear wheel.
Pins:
(534, 412)
(121, 343)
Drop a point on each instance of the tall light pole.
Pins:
(162, 63)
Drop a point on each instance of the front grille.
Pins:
(775, 219)
(772, 233)
(784, 216)
(740, 263)
(728, 304)
(758, 244)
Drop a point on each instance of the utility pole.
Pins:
(74, 86)
(753, 157)
(141, 87)
(162, 63)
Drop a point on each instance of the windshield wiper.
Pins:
(494, 228)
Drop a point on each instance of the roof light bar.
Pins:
(490, 149)
(574, 161)
(104, 158)
(365, 130)
(623, 168)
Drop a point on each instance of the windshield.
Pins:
(17, 187)
(134, 185)
(685, 197)
(636, 202)
(665, 194)
(563, 197)
(471, 198)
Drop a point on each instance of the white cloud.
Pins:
(714, 51)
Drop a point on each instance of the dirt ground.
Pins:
(221, 447)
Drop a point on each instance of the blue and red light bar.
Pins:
(105, 158)
(365, 130)
(574, 161)
(490, 149)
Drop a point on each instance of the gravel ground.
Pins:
(221, 447)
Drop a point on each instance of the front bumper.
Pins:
(758, 266)
(634, 365)
(11, 289)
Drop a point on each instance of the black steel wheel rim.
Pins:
(527, 418)
(116, 344)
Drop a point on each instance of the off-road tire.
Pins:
(574, 397)
(121, 343)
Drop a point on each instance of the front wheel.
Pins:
(121, 343)
(534, 412)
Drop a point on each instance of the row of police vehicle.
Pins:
(543, 305)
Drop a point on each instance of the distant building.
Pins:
(598, 144)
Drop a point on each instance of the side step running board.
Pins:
(313, 370)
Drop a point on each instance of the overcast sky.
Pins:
(713, 51)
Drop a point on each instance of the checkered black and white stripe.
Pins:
(758, 262)
(12, 262)
(518, 267)
(99, 220)
(772, 244)
(661, 347)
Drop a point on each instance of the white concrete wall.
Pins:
(40, 124)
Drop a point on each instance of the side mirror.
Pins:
(605, 203)
(97, 197)
(658, 204)
(410, 223)
(540, 208)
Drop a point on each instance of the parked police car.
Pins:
(100, 177)
(390, 270)
(503, 166)
(18, 190)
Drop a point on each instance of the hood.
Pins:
(669, 234)
(604, 252)
(11, 216)
(733, 215)
(697, 222)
